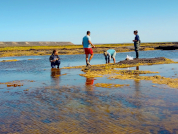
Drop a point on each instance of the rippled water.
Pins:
(72, 104)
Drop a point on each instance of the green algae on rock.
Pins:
(101, 70)
(127, 63)
(100, 73)
(173, 83)
(14, 60)
(109, 85)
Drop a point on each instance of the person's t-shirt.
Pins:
(137, 37)
(86, 44)
(111, 51)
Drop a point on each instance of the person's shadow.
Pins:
(55, 75)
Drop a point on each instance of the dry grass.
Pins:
(38, 48)
(72, 49)
(73, 46)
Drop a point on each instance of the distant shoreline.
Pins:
(28, 44)
(68, 48)
(53, 43)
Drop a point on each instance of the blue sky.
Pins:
(110, 21)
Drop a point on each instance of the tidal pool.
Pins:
(61, 101)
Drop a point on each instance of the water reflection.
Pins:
(137, 90)
(55, 75)
(91, 112)
(89, 84)
(137, 99)
(89, 81)
(137, 67)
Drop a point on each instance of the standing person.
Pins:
(87, 47)
(136, 43)
(54, 59)
(111, 53)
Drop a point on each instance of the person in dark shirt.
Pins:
(136, 43)
(54, 59)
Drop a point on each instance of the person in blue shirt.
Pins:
(54, 59)
(87, 45)
(111, 53)
(136, 43)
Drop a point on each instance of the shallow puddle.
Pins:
(61, 101)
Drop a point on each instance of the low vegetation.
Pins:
(27, 50)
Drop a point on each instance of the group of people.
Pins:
(87, 45)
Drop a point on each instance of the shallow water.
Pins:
(61, 101)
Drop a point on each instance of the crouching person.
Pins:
(54, 59)
(111, 53)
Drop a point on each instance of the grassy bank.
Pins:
(73, 49)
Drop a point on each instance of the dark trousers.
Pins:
(53, 64)
(137, 45)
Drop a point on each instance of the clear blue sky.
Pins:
(110, 21)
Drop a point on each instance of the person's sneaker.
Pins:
(88, 63)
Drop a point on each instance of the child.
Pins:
(54, 59)
(136, 43)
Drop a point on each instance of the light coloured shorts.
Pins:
(114, 55)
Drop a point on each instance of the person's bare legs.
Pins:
(87, 59)
(91, 57)
(114, 60)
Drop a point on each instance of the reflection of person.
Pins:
(55, 72)
(89, 84)
(136, 43)
(89, 81)
(55, 75)
(137, 68)
(137, 90)
(54, 59)
(87, 47)
(111, 53)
